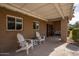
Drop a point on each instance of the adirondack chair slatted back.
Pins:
(21, 40)
(38, 35)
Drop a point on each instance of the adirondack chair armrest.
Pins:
(29, 40)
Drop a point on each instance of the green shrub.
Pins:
(70, 28)
(68, 33)
(75, 34)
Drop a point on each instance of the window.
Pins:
(14, 23)
(36, 25)
(11, 23)
(18, 24)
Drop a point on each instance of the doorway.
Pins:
(49, 30)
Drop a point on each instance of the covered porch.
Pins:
(57, 15)
(53, 21)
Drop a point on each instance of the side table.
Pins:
(35, 42)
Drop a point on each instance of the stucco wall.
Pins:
(8, 39)
(56, 26)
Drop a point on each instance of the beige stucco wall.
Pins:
(56, 26)
(8, 39)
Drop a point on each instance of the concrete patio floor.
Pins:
(51, 47)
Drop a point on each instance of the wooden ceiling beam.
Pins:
(59, 10)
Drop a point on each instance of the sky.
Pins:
(76, 14)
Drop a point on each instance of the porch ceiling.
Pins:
(45, 11)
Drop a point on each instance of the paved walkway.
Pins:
(66, 49)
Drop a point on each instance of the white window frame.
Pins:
(15, 23)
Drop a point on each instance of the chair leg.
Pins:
(27, 51)
(19, 50)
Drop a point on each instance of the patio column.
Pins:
(64, 29)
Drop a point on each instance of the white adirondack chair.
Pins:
(40, 39)
(24, 44)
